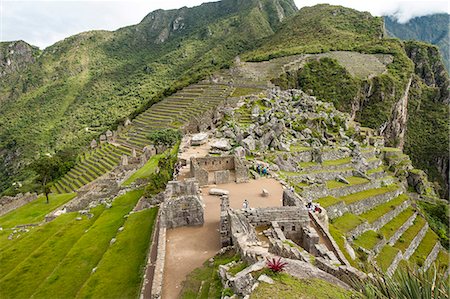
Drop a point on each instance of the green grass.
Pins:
(353, 180)
(120, 271)
(288, 287)
(348, 199)
(443, 259)
(406, 238)
(368, 239)
(299, 148)
(144, 171)
(328, 201)
(243, 91)
(386, 256)
(375, 170)
(238, 268)
(34, 211)
(391, 149)
(307, 164)
(384, 208)
(389, 229)
(423, 250)
(18, 250)
(337, 162)
(339, 239)
(68, 277)
(347, 222)
(29, 273)
(204, 282)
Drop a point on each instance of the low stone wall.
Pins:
(9, 203)
(347, 274)
(415, 242)
(291, 199)
(264, 216)
(364, 205)
(391, 269)
(380, 222)
(325, 176)
(432, 256)
(284, 249)
(402, 229)
(158, 278)
(336, 210)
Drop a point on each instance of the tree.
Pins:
(167, 137)
(47, 169)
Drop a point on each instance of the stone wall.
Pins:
(394, 264)
(291, 199)
(432, 256)
(9, 203)
(415, 242)
(364, 205)
(347, 274)
(157, 284)
(177, 188)
(402, 229)
(265, 216)
(380, 222)
(186, 210)
(221, 166)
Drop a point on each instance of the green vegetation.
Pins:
(423, 250)
(368, 240)
(34, 211)
(351, 198)
(238, 268)
(406, 238)
(29, 273)
(375, 213)
(167, 137)
(386, 256)
(289, 287)
(392, 226)
(68, 277)
(347, 222)
(339, 239)
(353, 180)
(337, 162)
(328, 201)
(437, 215)
(157, 181)
(243, 91)
(124, 259)
(407, 283)
(205, 282)
(145, 171)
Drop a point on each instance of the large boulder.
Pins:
(199, 139)
(249, 143)
(222, 145)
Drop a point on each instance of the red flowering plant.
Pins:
(276, 265)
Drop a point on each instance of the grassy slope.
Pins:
(289, 287)
(144, 171)
(74, 269)
(34, 211)
(125, 258)
(30, 272)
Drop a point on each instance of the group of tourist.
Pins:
(313, 207)
(262, 170)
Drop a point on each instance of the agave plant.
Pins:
(276, 265)
(408, 284)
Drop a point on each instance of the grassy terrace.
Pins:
(29, 273)
(423, 250)
(347, 222)
(288, 287)
(337, 162)
(328, 201)
(386, 257)
(368, 240)
(34, 211)
(54, 260)
(353, 180)
(299, 148)
(375, 170)
(443, 259)
(405, 239)
(392, 226)
(72, 271)
(144, 171)
(126, 258)
(339, 239)
(373, 214)
(368, 193)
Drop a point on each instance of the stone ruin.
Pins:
(9, 203)
(218, 170)
(182, 204)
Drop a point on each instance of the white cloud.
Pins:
(42, 23)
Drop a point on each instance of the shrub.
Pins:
(166, 137)
(276, 265)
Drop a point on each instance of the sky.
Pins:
(42, 23)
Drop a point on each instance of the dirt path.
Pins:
(188, 248)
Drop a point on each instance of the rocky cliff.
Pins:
(15, 56)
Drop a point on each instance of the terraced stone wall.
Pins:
(8, 203)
